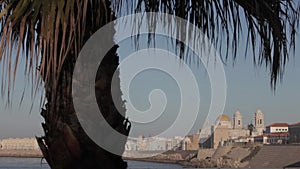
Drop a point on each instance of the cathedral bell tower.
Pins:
(259, 122)
(237, 120)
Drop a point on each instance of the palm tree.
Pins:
(52, 32)
(251, 128)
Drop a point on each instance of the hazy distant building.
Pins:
(277, 128)
(294, 131)
(276, 133)
(273, 138)
(131, 145)
(237, 120)
(191, 142)
(225, 130)
(259, 125)
(153, 143)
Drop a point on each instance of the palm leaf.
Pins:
(47, 32)
(270, 23)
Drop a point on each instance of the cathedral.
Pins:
(226, 129)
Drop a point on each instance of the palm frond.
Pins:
(48, 32)
(45, 33)
(271, 24)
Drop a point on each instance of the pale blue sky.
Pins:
(248, 89)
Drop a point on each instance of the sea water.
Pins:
(37, 163)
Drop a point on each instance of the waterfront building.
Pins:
(277, 128)
(131, 145)
(153, 144)
(272, 138)
(191, 142)
(294, 131)
(276, 133)
(226, 131)
(176, 142)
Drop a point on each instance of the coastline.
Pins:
(154, 160)
(178, 157)
(182, 163)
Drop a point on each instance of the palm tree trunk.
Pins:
(65, 144)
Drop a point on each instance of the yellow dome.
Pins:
(223, 117)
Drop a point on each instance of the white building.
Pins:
(277, 128)
(152, 143)
(131, 145)
(273, 138)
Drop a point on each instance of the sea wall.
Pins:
(19, 147)
(21, 153)
(166, 157)
(19, 144)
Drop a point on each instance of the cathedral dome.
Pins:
(223, 117)
(223, 121)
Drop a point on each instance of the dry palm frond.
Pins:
(46, 33)
(270, 23)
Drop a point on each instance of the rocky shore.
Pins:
(223, 157)
(236, 156)
(226, 157)
(175, 157)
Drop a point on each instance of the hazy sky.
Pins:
(248, 89)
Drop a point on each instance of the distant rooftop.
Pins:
(279, 125)
(223, 117)
(295, 124)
